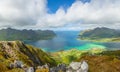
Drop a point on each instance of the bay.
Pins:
(66, 40)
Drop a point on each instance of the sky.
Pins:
(59, 14)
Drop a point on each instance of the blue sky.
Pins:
(54, 5)
(59, 14)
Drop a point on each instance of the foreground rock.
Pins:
(78, 67)
(61, 67)
(30, 69)
(73, 67)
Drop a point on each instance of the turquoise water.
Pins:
(90, 46)
(66, 40)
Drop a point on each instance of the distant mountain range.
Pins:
(13, 34)
(100, 34)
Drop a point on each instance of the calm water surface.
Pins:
(66, 40)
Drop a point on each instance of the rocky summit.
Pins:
(15, 55)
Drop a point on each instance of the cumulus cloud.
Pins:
(33, 14)
(93, 14)
(19, 13)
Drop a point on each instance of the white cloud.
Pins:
(96, 13)
(33, 14)
(21, 13)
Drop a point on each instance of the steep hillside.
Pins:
(100, 34)
(11, 51)
(13, 34)
(106, 61)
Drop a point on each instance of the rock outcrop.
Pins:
(78, 67)
(72, 67)
(59, 68)
(15, 54)
(16, 64)
(30, 69)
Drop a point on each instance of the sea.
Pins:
(66, 40)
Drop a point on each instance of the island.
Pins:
(100, 34)
(11, 34)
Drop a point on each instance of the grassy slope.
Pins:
(73, 54)
(29, 55)
(98, 60)
(101, 39)
(100, 35)
(107, 61)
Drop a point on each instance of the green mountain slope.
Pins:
(13, 34)
(28, 55)
(100, 34)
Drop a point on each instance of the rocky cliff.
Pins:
(17, 52)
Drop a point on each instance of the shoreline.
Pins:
(101, 40)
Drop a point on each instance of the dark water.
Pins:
(66, 40)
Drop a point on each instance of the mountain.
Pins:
(100, 34)
(13, 34)
(17, 52)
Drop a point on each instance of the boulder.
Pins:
(78, 67)
(60, 67)
(18, 64)
(69, 69)
(84, 66)
(30, 69)
(75, 65)
(43, 67)
(11, 65)
(46, 66)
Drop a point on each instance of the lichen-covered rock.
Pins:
(78, 67)
(75, 65)
(59, 68)
(30, 69)
(84, 66)
(18, 64)
(43, 68)
(11, 65)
